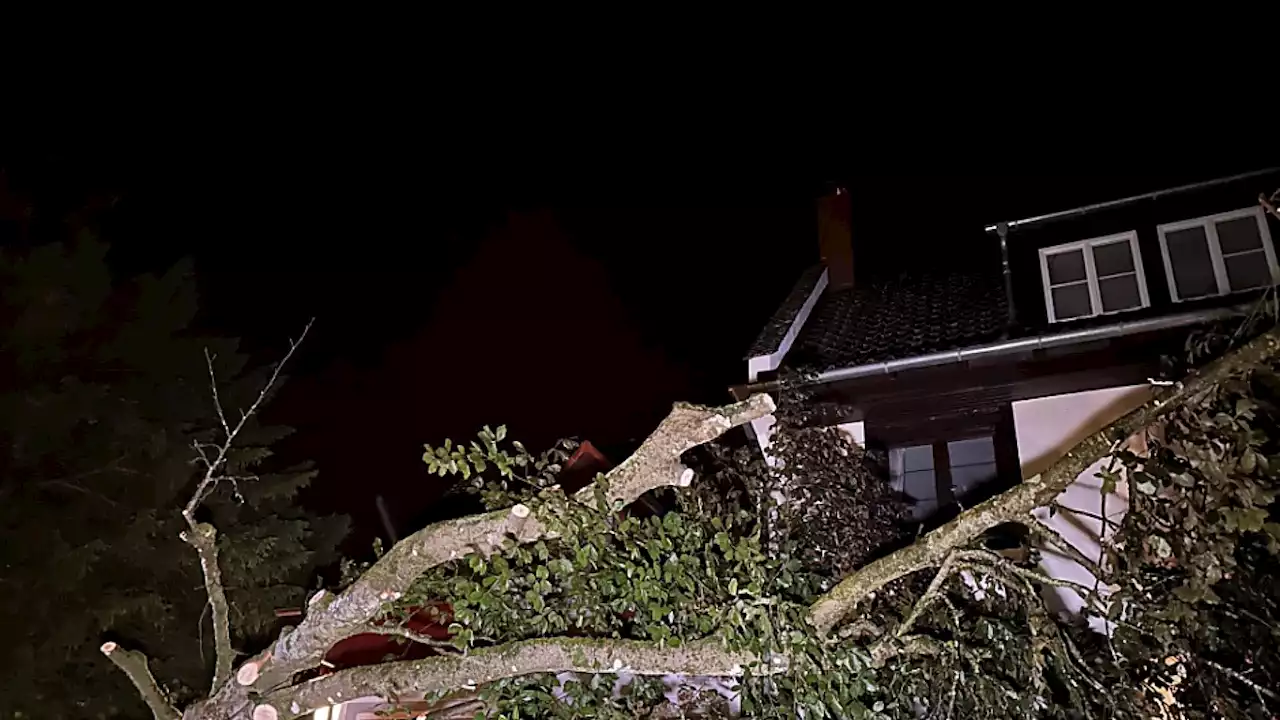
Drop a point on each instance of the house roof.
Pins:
(770, 338)
(905, 316)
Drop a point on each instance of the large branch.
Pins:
(656, 463)
(486, 665)
(1016, 504)
(204, 539)
(134, 664)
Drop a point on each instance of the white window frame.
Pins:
(1085, 247)
(1210, 225)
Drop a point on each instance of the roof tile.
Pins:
(902, 317)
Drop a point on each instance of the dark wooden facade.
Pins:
(1142, 217)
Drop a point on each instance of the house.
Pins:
(979, 374)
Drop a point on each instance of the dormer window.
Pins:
(1093, 277)
(1218, 254)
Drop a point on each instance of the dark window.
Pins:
(1218, 255)
(1067, 267)
(912, 472)
(1113, 259)
(1239, 235)
(1246, 271)
(1191, 262)
(1119, 293)
(1071, 301)
(1085, 278)
(1243, 256)
(933, 475)
(973, 463)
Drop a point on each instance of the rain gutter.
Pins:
(1087, 209)
(1044, 341)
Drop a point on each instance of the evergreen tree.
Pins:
(104, 392)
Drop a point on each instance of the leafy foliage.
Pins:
(740, 555)
(1197, 556)
(102, 392)
(697, 568)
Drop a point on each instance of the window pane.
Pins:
(971, 452)
(1249, 270)
(1071, 301)
(923, 509)
(1066, 267)
(920, 485)
(1113, 258)
(1239, 235)
(967, 478)
(919, 457)
(1192, 267)
(1119, 293)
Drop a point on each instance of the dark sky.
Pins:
(559, 308)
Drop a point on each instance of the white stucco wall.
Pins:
(1046, 427)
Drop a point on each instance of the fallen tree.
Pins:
(757, 632)
(549, 592)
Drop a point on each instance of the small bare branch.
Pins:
(1238, 676)
(134, 664)
(1108, 522)
(1269, 203)
(411, 635)
(211, 476)
(930, 594)
(997, 565)
(1052, 541)
(213, 388)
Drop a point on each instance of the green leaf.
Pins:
(1160, 546)
(1251, 520)
(1249, 460)
(501, 434)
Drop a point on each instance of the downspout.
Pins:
(1002, 229)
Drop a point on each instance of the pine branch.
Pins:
(134, 664)
(1016, 504)
(656, 463)
(486, 665)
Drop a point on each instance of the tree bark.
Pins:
(1016, 505)
(486, 665)
(134, 664)
(204, 539)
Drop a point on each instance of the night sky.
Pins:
(560, 308)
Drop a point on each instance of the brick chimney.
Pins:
(835, 238)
